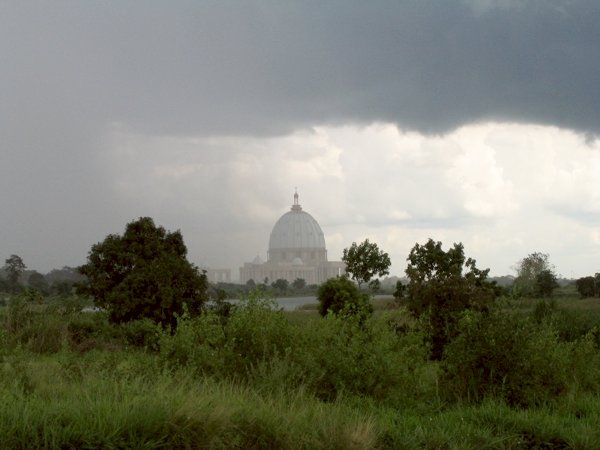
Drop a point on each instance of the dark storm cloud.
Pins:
(268, 67)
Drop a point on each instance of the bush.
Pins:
(342, 355)
(508, 356)
(253, 332)
(327, 358)
(142, 333)
(341, 296)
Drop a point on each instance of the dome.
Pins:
(296, 229)
(297, 261)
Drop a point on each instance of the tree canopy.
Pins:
(365, 260)
(528, 270)
(439, 287)
(144, 274)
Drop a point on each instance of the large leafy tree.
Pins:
(441, 285)
(144, 274)
(364, 261)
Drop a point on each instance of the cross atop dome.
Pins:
(296, 206)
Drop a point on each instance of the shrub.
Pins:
(340, 295)
(507, 356)
(142, 333)
(253, 332)
(329, 357)
(346, 356)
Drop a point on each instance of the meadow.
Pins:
(526, 375)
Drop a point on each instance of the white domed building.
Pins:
(296, 250)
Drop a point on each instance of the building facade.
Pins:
(296, 250)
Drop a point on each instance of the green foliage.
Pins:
(14, 267)
(528, 270)
(570, 325)
(144, 274)
(589, 286)
(504, 356)
(545, 283)
(299, 284)
(347, 356)
(31, 328)
(111, 402)
(252, 332)
(340, 296)
(19, 313)
(439, 290)
(38, 281)
(142, 334)
(281, 285)
(508, 380)
(330, 357)
(365, 260)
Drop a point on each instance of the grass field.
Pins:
(267, 379)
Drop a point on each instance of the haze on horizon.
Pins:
(471, 121)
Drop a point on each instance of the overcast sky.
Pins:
(471, 121)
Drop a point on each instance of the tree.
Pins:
(144, 274)
(38, 281)
(545, 283)
(280, 284)
(364, 261)
(528, 270)
(299, 284)
(439, 289)
(14, 268)
(340, 295)
(588, 286)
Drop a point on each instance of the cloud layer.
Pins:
(252, 67)
(462, 120)
(504, 190)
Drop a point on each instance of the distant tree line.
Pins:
(15, 277)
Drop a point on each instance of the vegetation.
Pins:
(341, 296)
(364, 261)
(535, 276)
(14, 267)
(440, 292)
(254, 379)
(144, 274)
(447, 365)
(589, 286)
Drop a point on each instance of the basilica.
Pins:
(296, 250)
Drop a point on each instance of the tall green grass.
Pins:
(48, 403)
(522, 376)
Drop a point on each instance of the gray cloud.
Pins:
(259, 67)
